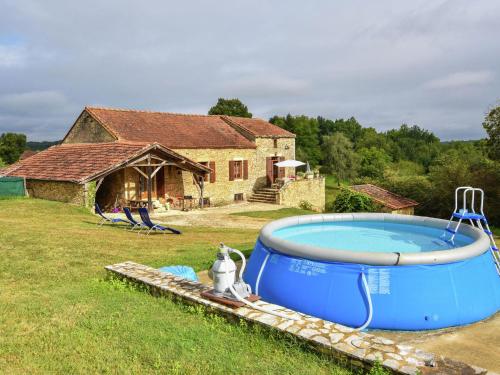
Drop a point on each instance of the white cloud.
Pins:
(430, 63)
(11, 56)
(34, 103)
(461, 80)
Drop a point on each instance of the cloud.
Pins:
(11, 56)
(461, 80)
(430, 63)
(37, 102)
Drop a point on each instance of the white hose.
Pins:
(246, 302)
(257, 282)
(370, 306)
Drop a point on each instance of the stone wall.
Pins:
(87, 130)
(404, 211)
(309, 190)
(221, 191)
(61, 191)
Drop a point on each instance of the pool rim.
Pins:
(479, 246)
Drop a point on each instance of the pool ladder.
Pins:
(476, 219)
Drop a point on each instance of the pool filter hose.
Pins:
(224, 249)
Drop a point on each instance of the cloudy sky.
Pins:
(431, 63)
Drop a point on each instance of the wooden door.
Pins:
(160, 183)
(269, 170)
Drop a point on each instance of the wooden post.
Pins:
(202, 185)
(149, 186)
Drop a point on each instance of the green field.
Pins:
(59, 313)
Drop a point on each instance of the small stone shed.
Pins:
(391, 202)
(86, 173)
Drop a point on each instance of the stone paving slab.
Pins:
(345, 345)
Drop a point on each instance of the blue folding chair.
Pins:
(107, 219)
(152, 226)
(134, 223)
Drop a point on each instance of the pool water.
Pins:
(370, 236)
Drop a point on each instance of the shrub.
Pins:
(305, 205)
(351, 201)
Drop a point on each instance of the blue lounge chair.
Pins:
(152, 226)
(134, 223)
(107, 219)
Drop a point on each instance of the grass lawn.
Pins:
(275, 214)
(332, 188)
(59, 314)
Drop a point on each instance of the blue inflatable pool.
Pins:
(380, 271)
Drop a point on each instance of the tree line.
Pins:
(409, 160)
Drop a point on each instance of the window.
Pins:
(275, 143)
(238, 197)
(238, 169)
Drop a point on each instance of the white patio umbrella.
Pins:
(289, 164)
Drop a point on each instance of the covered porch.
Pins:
(154, 179)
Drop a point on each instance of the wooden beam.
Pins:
(157, 169)
(99, 182)
(141, 172)
(150, 193)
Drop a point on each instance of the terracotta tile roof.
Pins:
(80, 162)
(171, 130)
(385, 197)
(26, 154)
(258, 127)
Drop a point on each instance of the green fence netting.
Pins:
(12, 187)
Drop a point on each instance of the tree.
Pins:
(230, 107)
(12, 145)
(373, 162)
(306, 129)
(492, 126)
(413, 143)
(353, 201)
(339, 156)
(351, 128)
(464, 167)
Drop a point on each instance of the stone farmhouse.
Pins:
(120, 157)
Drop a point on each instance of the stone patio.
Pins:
(346, 346)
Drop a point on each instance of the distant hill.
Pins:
(39, 146)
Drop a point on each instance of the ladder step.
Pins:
(451, 231)
(494, 248)
(488, 232)
(468, 215)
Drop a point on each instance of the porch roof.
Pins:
(82, 163)
(385, 197)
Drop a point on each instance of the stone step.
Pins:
(268, 189)
(260, 194)
(261, 199)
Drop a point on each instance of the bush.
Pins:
(418, 188)
(352, 201)
(305, 205)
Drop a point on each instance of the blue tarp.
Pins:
(181, 271)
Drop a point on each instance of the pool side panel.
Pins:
(413, 297)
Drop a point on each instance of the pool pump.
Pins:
(224, 275)
(226, 285)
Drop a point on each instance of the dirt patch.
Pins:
(219, 217)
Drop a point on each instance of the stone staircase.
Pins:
(264, 195)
